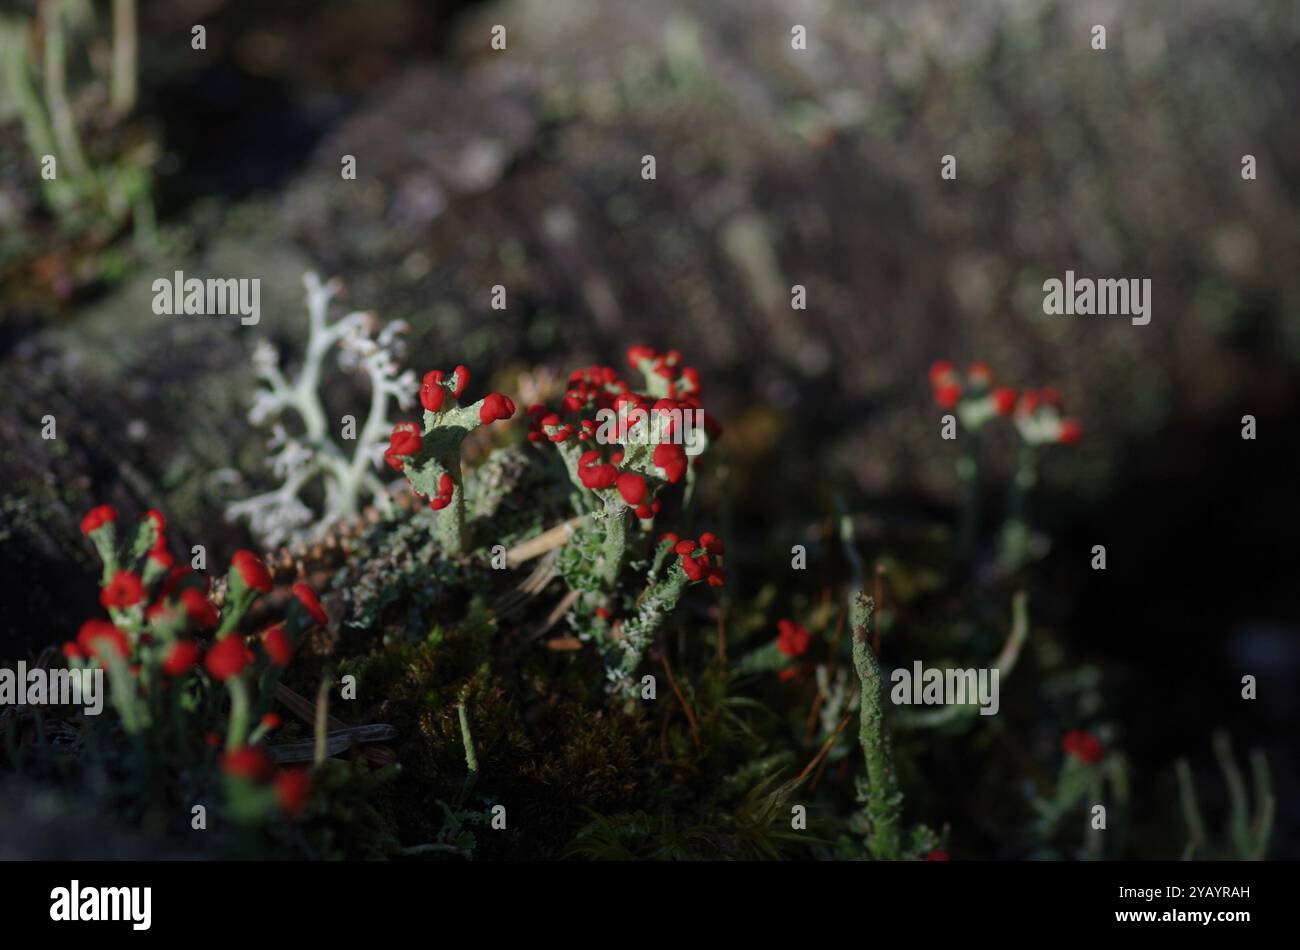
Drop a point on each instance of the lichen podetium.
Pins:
(883, 800)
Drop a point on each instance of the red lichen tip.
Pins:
(405, 440)
(199, 609)
(495, 406)
(1083, 746)
(292, 788)
(941, 373)
(947, 396)
(251, 571)
(792, 639)
(1071, 431)
(98, 638)
(123, 590)
(181, 658)
(446, 488)
(1004, 400)
(248, 762)
(307, 597)
(277, 645)
(460, 375)
(227, 658)
(97, 517)
(670, 458)
(432, 392)
(632, 487)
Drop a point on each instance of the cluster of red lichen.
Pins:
(1036, 413)
(596, 393)
(154, 640)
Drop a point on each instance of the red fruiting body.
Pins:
(937, 855)
(1004, 400)
(98, 637)
(277, 646)
(159, 522)
(712, 543)
(1071, 431)
(979, 373)
(948, 395)
(1028, 403)
(941, 373)
(124, 589)
(495, 406)
(1049, 396)
(695, 568)
(72, 651)
(404, 441)
(227, 658)
(432, 391)
(602, 613)
(271, 721)
(446, 487)
(248, 762)
(162, 557)
(697, 562)
(632, 487)
(97, 517)
(593, 473)
(635, 354)
(562, 430)
(251, 571)
(1083, 745)
(172, 581)
(461, 376)
(199, 609)
(181, 658)
(670, 458)
(292, 787)
(307, 597)
(792, 638)
(670, 537)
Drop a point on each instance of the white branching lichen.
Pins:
(312, 455)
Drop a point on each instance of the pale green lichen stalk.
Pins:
(638, 633)
(881, 797)
(1250, 826)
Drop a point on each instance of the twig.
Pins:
(826, 748)
(546, 541)
(690, 713)
(322, 719)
